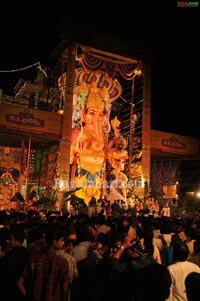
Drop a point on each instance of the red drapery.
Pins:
(94, 62)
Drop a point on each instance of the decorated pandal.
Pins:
(98, 150)
(8, 188)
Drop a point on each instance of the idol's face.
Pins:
(93, 115)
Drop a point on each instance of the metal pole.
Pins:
(27, 167)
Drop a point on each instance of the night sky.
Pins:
(175, 87)
(175, 60)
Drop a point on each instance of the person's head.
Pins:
(35, 234)
(123, 225)
(55, 237)
(196, 245)
(115, 239)
(3, 247)
(175, 239)
(155, 281)
(179, 227)
(16, 236)
(83, 232)
(180, 251)
(192, 285)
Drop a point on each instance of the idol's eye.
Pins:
(91, 113)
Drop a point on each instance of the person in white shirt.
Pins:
(179, 270)
(165, 211)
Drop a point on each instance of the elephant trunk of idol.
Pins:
(99, 137)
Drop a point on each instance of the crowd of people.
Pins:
(56, 256)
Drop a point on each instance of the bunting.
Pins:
(92, 62)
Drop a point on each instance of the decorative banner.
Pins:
(166, 172)
(94, 62)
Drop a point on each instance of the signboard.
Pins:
(22, 119)
(172, 143)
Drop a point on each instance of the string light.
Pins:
(24, 68)
(42, 70)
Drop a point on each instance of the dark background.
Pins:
(29, 34)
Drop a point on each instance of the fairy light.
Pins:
(25, 68)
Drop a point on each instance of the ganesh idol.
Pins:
(89, 140)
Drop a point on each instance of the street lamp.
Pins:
(198, 192)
